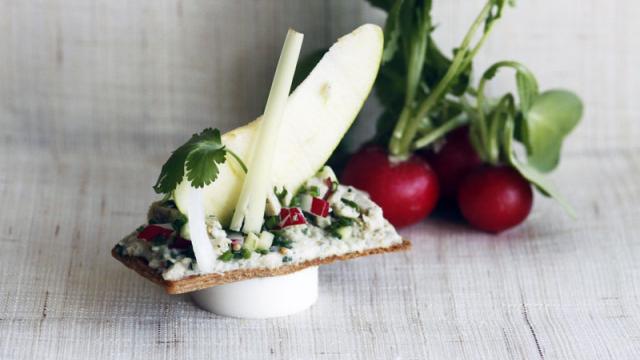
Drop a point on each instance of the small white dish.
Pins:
(262, 298)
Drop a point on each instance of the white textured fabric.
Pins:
(94, 95)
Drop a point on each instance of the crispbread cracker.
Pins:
(198, 282)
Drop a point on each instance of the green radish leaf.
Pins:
(392, 31)
(527, 88)
(489, 133)
(496, 11)
(384, 127)
(448, 109)
(436, 66)
(525, 81)
(417, 50)
(552, 116)
(382, 4)
(411, 24)
(391, 85)
(531, 174)
(408, 27)
(502, 113)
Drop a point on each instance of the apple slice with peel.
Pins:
(317, 115)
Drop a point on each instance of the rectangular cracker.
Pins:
(199, 282)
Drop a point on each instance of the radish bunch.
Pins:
(440, 138)
(490, 198)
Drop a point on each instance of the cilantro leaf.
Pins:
(200, 156)
(202, 159)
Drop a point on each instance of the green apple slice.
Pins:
(317, 115)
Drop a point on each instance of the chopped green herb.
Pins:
(262, 251)
(296, 201)
(286, 259)
(336, 224)
(281, 241)
(271, 222)
(313, 191)
(226, 256)
(350, 203)
(246, 253)
(140, 228)
(179, 222)
(281, 195)
(341, 221)
(334, 186)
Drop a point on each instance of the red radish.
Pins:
(152, 231)
(291, 216)
(453, 161)
(406, 190)
(494, 199)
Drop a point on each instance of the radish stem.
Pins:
(440, 131)
(406, 130)
(417, 52)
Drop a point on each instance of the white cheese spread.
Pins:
(366, 229)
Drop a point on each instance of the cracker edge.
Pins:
(199, 282)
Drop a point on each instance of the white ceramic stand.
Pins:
(261, 298)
